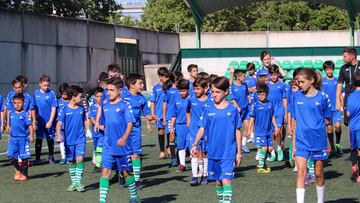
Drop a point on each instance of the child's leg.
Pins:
(62, 150)
(130, 182)
(98, 156)
(300, 178)
(194, 169)
(50, 143)
(79, 170)
(227, 194)
(320, 180)
(72, 172)
(182, 156)
(38, 146)
(136, 164)
(172, 147)
(330, 133)
(219, 191)
(206, 165)
(25, 167)
(290, 149)
(262, 157)
(104, 184)
(95, 144)
(358, 163)
(200, 163)
(338, 136)
(161, 139)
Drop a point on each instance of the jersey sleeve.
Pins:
(341, 78)
(153, 95)
(128, 113)
(231, 94)
(83, 115)
(237, 119)
(61, 115)
(27, 119)
(145, 108)
(327, 107)
(53, 100)
(31, 104)
(9, 103)
(203, 119)
(1, 104)
(92, 112)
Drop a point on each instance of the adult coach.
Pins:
(347, 71)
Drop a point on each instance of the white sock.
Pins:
(206, 162)
(273, 153)
(194, 167)
(201, 168)
(252, 135)
(62, 150)
(279, 148)
(300, 195)
(244, 139)
(320, 190)
(182, 155)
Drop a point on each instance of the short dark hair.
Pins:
(250, 66)
(296, 71)
(292, 82)
(132, 78)
(63, 88)
(15, 81)
(211, 78)
(183, 84)
(113, 68)
(98, 90)
(221, 83)
(356, 79)
(350, 50)
(264, 53)
(19, 96)
(75, 90)
(203, 75)
(201, 82)
(103, 76)
(22, 78)
(163, 71)
(115, 81)
(274, 69)
(263, 89)
(44, 78)
(328, 64)
(191, 66)
(238, 72)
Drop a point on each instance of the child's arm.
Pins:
(285, 101)
(199, 134)
(122, 141)
(293, 140)
(58, 131)
(2, 121)
(33, 118)
(238, 146)
(52, 116)
(173, 119)
(232, 69)
(8, 120)
(188, 119)
(233, 101)
(148, 126)
(251, 124)
(276, 127)
(152, 110)
(97, 120)
(164, 106)
(31, 129)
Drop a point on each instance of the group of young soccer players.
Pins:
(211, 117)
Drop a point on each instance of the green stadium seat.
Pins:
(286, 65)
(339, 63)
(318, 64)
(257, 64)
(243, 65)
(297, 64)
(227, 74)
(289, 75)
(336, 73)
(278, 63)
(235, 64)
(323, 74)
(308, 64)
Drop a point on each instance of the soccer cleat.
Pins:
(134, 200)
(194, 182)
(290, 164)
(267, 168)
(80, 188)
(204, 180)
(181, 168)
(62, 162)
(280, 155)
(354, 173)
(96, 170)
(263, 170)
(17, 175)
(272, 156)
(121, 181)
(173, 163)
(309, 179)
(71, 188)
(339, 149)
(52, 161)
(138, 185)
(245, 149)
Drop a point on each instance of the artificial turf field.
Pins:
(48, 183)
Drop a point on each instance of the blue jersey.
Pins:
(92, 114)
(250, 81)
(263, 114)
(1, 106)
(240, 94)
(105, 98)
(221, 126)
(19, 124)
(191, 88)
(197, 108)
(43, 102)
(353, 108)
(276, 95)
(170, 95)
(117, 116)
(9, 98)
(157, 96)
(138, 105)
(262, 71)
(28, 105)
(287, 91)
(73, 124)
(329, 87)
(182, 106)
(310, 114)
(291, 102)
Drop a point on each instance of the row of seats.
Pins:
(288, 65)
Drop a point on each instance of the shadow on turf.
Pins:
(332, 174)
(155, 167)
(149, 145)
(152, 174)
(45, 175)
(162, 199)
(345, 200)
(155, 182)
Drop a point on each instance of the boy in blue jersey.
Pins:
(312, 111)
(239, 96)
(222, 123)
(193, 71)
(21, 135)
(170, 94)
(72, 119)
(12, 93)
(329, 87)
(156, 105)
(250, 79)
(263, 119)
(198, 104)
(353, 111)
(277, 96)
(1, 115)
(44, 102)
(61, 102)
(139, 106)
(98, 136)
(117, 149)
(180, 122)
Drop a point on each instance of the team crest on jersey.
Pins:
(21, 117)
(228, 113)
(47, 97)
(317, 103)
(211, 173)
(117, 109)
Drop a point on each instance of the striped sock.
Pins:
(227, 196)
(136, 168)
(104, 187)
(290, 149)
(98, 156)
(311, 167)
(130, 182)
(72, 172)
(219, 193)
(262, 156)
(79, 172)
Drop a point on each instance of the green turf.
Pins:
(162, 184)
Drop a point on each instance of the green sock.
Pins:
(311, 166)
(130, 182)
(79, 172)
(98, 156)
(290, 150)
(262, 156)
(227, 196)
(72, 172)
(104, 187)
(136, 164)
(219, 193)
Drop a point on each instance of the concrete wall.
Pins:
(270, 39)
